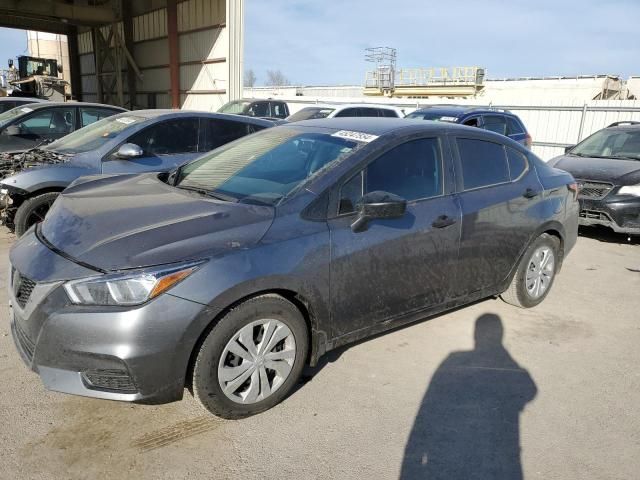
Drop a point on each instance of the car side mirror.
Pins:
(13, 130)
(377, 205)
(568, 149)
(128, 151)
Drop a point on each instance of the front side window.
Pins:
(259, 109)
(50, 121)
(265, 167)
(483, 163)
(610, 143)
(495, 123)
(168, 137)
(384, 112)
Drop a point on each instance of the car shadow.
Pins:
(468, 426)
(606, 235)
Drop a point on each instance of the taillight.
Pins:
(574, 188)
(528, 141)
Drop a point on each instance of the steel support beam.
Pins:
(235, 60)
(74, 64)
(174, 52)
(68, 12)
(127, 24)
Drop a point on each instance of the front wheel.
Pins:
(32, 211)
(252, 358)
(536, 273)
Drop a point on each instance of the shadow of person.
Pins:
(468, 424)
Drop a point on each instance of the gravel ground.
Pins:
(557, 397)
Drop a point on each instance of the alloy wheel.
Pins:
(540, 272)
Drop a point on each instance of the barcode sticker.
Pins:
(357, 136)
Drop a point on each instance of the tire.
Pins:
(33, 210)
(520, 292)
(259, 315)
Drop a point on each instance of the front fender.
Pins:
(47, 177)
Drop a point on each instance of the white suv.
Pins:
(350, 110)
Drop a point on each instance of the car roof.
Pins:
(169, 113)
(74, 104)
(459, 110)
(23, 99)
(376, 125)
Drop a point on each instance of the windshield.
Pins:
(13, 113)
(610, 143)
(95, 135)
(435, 116)
(237, 106)
(265, 167)
(310, 113)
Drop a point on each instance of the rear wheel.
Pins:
(252, 357)
(32, 211)
(536, 273)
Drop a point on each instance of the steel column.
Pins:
(174, 52)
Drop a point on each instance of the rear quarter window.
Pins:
(513, 126)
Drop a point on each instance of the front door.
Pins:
(396, 265)
(166, 145)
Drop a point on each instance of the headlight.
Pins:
(630, 190)
(129, 288)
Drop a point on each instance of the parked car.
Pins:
(7, 103)
(607, 168)
(257, 108)
(351, 110)
(499, 121)
(36, 124)
(140, 141)
(235, 270)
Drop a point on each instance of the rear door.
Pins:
(499, 195)
(396, 265)
(166, 145)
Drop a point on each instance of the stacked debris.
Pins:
(12, 163)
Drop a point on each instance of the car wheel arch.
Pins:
(317, 337)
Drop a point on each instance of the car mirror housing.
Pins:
(378, 205)
(129, 150)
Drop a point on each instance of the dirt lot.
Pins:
(558, 396)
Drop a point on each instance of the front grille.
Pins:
(22, 287)
(111, 379)
(595, 215)
(594, 190)
(26, 343)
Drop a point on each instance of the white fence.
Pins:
(553, 125)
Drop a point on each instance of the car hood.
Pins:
(618, 172)
(121, 222)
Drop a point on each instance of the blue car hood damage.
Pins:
(123, 222)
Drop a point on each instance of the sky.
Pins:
(12, 43)
(317, 42)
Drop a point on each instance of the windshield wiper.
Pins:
(625, 157)
(208, 193)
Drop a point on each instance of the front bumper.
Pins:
(621, 213)
(133, 354)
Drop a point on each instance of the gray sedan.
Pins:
(135, 142)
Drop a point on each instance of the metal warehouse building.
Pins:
(144, 54)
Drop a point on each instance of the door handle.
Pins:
(530, 193)
(443, 221)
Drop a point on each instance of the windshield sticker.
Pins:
(448, 119)
(26, 109)
(126, 120)
(358, 136)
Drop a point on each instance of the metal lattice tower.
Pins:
(385, 72)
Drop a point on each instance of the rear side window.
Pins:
(348, 112)
(259, 109)
(369, 112)
(92, 115)
(483, 163)
(278, 110)
(513, 126)
(388, 113)
(517, 163)
(495, 123)
(169, 137)
(219, 132)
